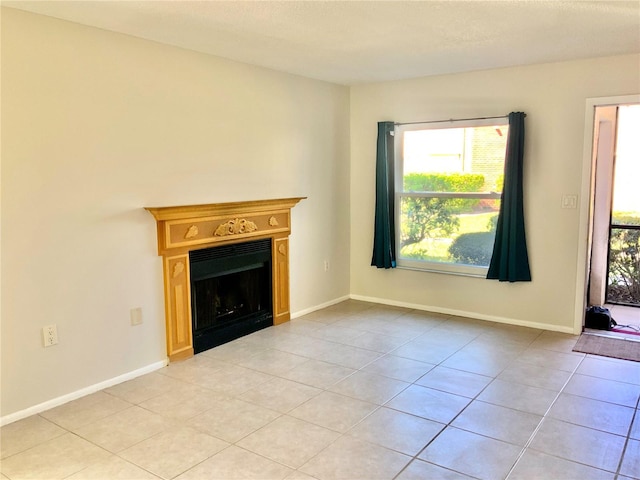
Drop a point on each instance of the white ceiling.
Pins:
(354, 42)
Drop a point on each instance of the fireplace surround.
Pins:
(186, 231)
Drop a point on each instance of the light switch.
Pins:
(569, 201)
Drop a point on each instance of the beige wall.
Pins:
(554, 98)
(96, 126)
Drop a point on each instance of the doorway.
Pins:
(613, 247)
(623, 265)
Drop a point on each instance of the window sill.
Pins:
(459, 270)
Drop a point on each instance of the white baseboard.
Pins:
(319, 307)
(157, 365)
(462, 313)
(55, 402)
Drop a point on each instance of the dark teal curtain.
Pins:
(384, 239)
(510, 261)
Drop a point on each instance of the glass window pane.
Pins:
(434, 151)
(453, 234)
(626, 199)
(624, 267)
(454, 159)
(456, 231)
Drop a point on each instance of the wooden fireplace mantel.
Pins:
(192, 227)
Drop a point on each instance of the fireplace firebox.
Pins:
(231, 292)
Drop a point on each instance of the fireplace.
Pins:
(206, 250)
(230, 292)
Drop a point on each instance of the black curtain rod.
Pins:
(452, 120)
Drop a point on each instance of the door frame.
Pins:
(585, 211)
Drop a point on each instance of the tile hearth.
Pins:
(354, 391)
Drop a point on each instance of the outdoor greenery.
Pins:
(447, 229)
(443, 182)
(440, 249)
(473, 248)
(433, 217)
(624, 262)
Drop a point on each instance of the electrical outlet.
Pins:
(49, 335)
(136, 316)
(326, 265)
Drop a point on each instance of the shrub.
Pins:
(427, 217)
(473, 248)
(624, 261)
(446, 182)
(624, 267)
(443, 182)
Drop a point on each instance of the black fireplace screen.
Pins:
(230, 292)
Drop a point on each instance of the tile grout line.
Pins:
(343, 434)
(378, 407)
(449, 424)
(539, 426)
(326, 389)
(626, 441)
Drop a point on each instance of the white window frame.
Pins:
(435, 267)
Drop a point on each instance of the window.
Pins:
(448, 184)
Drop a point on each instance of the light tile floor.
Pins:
(354, 391)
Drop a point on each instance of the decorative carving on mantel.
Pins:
(273, 221)
(178, 268)
(192, 231)
(235, 227)
(282, 249)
